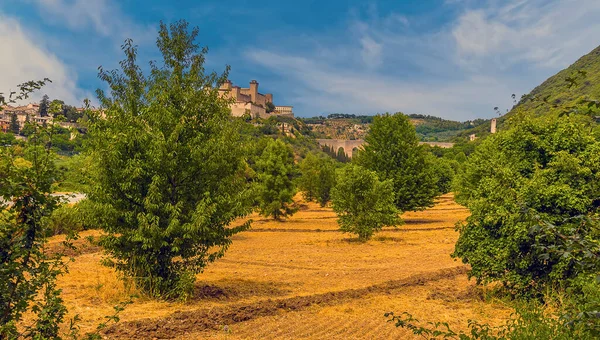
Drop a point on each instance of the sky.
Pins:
(456, 59)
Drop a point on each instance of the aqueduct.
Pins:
(350, 146)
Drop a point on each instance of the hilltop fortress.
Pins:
(250, 101)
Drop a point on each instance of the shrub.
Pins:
(317, 177)
(363, 203)
(539, 170)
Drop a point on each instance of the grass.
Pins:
(302, 278)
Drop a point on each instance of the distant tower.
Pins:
(253, 90)
(493, 127)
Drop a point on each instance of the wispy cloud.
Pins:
(103, 16)
(462, 70)
(23, 59)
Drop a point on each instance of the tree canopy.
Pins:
(392, 150)
(168, 166)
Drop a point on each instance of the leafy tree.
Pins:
(317, 177)
(44, 106)
(275, 174)
(363, 203)
(444, 171)
(541, 169)
(56, 108)
(28, 129)
(27, 274)
(14, 126)
(392, 150)
(7, 139)
(270, 107)
(168, 172)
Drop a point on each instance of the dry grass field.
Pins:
(300, 279)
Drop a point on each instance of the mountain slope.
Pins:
(580, 80)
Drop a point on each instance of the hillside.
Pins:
(348, 126)
(581, 80)
(565, 89)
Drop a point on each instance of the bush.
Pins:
(363, 203)
(317, 177)
(539, 170)
(65, 219)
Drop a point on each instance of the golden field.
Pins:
(300, 279)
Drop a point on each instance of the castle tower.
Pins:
(253, 90)
(226, 85)
(493, 126)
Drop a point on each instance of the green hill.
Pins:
(579, 81)
(560, 93)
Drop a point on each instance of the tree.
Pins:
(44, 106)
(363, 203)
(545, 169)
(28, 129)
(317, 177)
(270, 107)
(444, 171)
(56, 108)
(392, 150)
(275, 173)
(168, 166)
(14, 126)
(27, 273)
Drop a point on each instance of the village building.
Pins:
(248, 101)
(29, 112)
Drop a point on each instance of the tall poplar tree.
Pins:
(169, 166)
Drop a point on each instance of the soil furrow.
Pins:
(181, 323)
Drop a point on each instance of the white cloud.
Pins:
(22, 59)
(544, 33)
(461, 71)
(104, 16)
(371, 52)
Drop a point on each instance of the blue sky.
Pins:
(455, 59)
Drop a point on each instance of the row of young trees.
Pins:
(168, 174)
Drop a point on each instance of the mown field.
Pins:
(299, 279)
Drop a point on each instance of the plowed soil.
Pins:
(300, 278)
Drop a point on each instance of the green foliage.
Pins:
(44, 106)
(392, 150)
(528, 322)
(65, 219)
(168, 167)
(27, 274)
(363, 203)
(72, 170)
(28, 129)
(270, 107)
(14, 126)
(317, 177)
(275, 180)
(539, 170)
(7, 139)
(443, 171)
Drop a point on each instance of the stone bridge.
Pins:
(351, 146)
